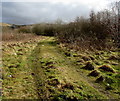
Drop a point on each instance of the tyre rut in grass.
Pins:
(37, 73)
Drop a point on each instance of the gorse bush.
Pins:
(38, 29)
(44, 29)
(49, 30)
(24, 30)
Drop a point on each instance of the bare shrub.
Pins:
(25, 30)
(9, 34)
(99, 31)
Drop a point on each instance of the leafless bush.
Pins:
(25, 29)
(100, 31)
(9, 34)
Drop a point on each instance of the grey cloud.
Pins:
(28, 13)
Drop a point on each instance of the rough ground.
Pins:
(44, 69)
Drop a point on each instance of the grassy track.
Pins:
(46, 73)
(57, 73)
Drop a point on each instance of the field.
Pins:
(42, 67)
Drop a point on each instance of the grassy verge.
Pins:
(18, 82)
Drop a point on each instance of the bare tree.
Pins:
(115, 22)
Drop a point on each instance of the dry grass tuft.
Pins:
(13, 35)
(107, 68)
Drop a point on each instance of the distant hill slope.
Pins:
(4, 24)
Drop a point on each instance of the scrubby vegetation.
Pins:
(75, 61)
(99, 31)
(44, 29)
(25, 30)
(18, 34)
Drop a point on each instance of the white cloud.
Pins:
(34, 11)
(93, 4)
(68, 1)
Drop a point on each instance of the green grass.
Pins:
(45, 70)
(18, 83)
(112, 80)
(64, 72)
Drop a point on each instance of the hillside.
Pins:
(4, 24)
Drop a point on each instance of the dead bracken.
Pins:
(100, 79)
(51, 66)
(50, 62)
(68, 86)
(54, 82)
(114, 58)
(85, 58)
(94, 73)
(92, 58)
(81, 61)
(107, 68)
(67, 54)
(89, 66)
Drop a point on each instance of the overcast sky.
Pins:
(36, 11)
